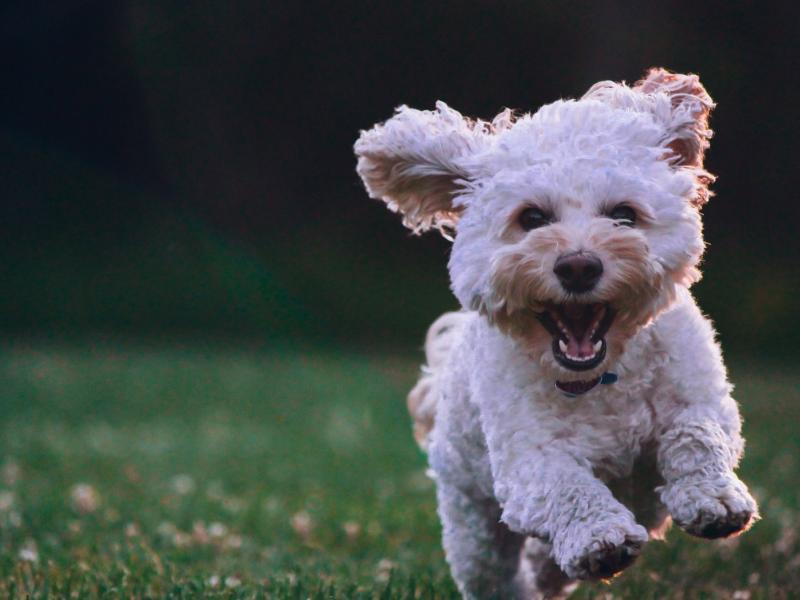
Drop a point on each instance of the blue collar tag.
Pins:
(608, 378)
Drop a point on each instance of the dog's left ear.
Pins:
(687, 123)
(691, 105)
(414, 163)
(681, 105)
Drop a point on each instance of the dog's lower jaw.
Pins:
(556, 372)
(538, 345)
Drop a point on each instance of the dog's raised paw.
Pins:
(608, 560)
(711, 526)
(711, 509)
(596, 551)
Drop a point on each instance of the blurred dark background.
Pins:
(179, 169)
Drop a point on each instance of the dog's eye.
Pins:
(625, 215)
(532, 217)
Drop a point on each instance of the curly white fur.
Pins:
(537, 489)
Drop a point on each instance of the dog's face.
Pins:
(573, 226)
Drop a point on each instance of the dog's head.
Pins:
(573, 227)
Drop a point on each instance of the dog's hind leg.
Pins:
(539, 574)
(483, 554)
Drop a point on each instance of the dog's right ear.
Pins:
(413, 162)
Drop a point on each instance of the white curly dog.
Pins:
(579, 401)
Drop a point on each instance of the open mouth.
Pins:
(578, 332)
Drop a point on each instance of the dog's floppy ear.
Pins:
(681, 105)
(413, 163)
(691, 105)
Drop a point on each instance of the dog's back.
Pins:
(423, 398)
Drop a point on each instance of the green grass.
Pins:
(234, 472)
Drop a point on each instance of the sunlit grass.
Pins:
(141, 471)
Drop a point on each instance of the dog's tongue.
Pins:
(579, 348)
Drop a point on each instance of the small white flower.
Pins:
(302, 524)
(6, 500)
(29, 553)
(384, 570)
(217, 530)
(183, 484)
(10, 472)
(85, 498)
(232, 582)
(351, 529)
(233, 542)
(166, 529)
(200, 533)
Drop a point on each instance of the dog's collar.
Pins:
(573, 389)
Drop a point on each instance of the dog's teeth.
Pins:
(562, 346)
(598, 344)
(563, 328)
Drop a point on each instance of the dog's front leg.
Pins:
(699, 431)
(701, 491)
(547, 493)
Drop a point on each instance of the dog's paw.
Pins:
(711, 525)
(608, 560)
(606, 553)
(711, 508)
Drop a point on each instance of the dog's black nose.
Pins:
(578, 271)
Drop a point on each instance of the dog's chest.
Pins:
(607, 427)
